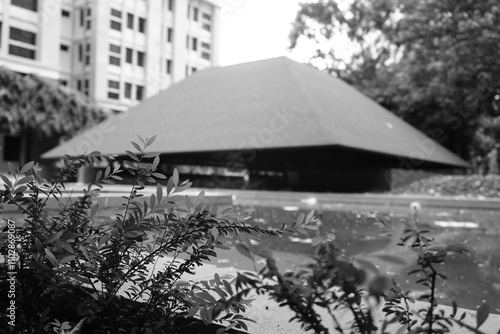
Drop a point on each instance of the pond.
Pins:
(472, 278)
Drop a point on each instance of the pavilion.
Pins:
(275, 116)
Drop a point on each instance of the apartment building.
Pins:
(116, 51)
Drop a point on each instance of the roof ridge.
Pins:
(305, 92)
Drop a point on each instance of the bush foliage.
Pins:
(88, 267)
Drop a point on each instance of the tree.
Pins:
(36, 109)
(431, 62)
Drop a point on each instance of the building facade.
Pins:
(118, 52)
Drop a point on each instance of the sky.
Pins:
(256, 29)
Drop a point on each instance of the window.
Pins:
(22, 36)
(86, 91)
(82, 17)
(128, 90)
(115, 54)
(21, 52)
(189, 11)
(12, 148)
(142, 24)
(128, 55)
(63, 82)
(205, 45)
(169, 35)
(87, 54)
(23, 43)
(195, 14)
(79, 85)
(169, 66)
(116, 25)
(114, 60)
(65, 13)
(206, 27)
(140, 58)
(205, 55)
(113, 84)
(193, 69)
(170, 5)
(116, 13)
(115, 48)
(195, 44)
(139, 92)
(64, 47)
(207, 17)
(187, 70)
(80, 52)
(114, 89)
(187, 42)
(130, 21)
(113, 95)
(89, 19)
(27, 4)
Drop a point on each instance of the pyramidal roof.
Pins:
(273, 103)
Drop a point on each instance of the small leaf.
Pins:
(132, 156)
(455, 308)
(54, 237)
(458, 248)
(317, 240)
(27, 167)
(310, 215)
(228, 287)
(482, 314)
(150, 141)
(215, 232)
(201, 195)
(67, 259)
(159, 192)
(159, 176)
(51, 257)
(187, 200)
(23, 180)
(12, 168)
(6, 180)
(133, 234)
(98, 176)
(175, 177)
(300, 219)
(156, 162)
(170, 185)
(137, 147)
(244, 250)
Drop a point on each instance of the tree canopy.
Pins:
(30, 103)
(434, 63)
(36, 109)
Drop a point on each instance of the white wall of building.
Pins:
(65, 42)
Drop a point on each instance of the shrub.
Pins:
(339, 286)
(88, 267)
(91, 267)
